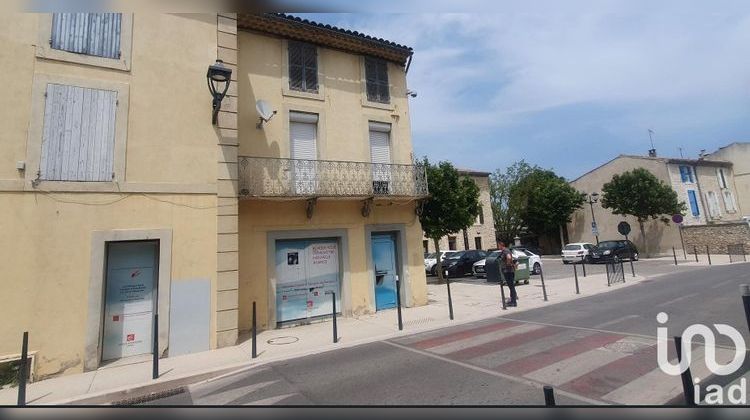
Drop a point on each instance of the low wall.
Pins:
(716, 237)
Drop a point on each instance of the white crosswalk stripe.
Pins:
(226, 397)
(482, 339)
(270, 400)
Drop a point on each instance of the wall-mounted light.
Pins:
(218, 74)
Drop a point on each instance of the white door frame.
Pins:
(97, 279)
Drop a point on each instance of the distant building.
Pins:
(481, 235)
(707, 186)
(738, 154)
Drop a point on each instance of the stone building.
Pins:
(480, 235)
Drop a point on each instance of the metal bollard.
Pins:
(254, 352)
(583, 264)
(687, 377)
(622, 269)
(450, 300)
(544, 288)
(575, 274)
(632, 266)
(549, 396)
(398, 301)
(674, 253)
(23, 369)
(745, 290)
(155, 352)
(335, 330)
(695, 251)
(708, 253)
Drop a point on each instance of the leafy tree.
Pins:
(506, 210)
(453, 204)
(640, 194)
(547, 201)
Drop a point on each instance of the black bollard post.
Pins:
(745, 290)
(674, 253)
(398, 301)
(695, 251)
(23, 369)
(632, 266)
(502, 290)
(544, 288)
(450, 300)
(254, 352)
(155, 365)
(575, 273)
(335, 330)
(622, 269)
(549, 396)
(708, 253)
(606, 267)
(687, 377)
(583, 264)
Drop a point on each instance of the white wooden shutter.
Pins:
(96, 34)
(79, 134)
(729, 202)
(713, 204)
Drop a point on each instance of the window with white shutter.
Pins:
(380, 156)
(729, 202)
(303, 67)
(721, 177)
(713, 204)
(303, 138)
(95, 34)
(376, 77)
(78, 135)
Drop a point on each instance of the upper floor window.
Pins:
(480, 216)
(376, 76)
(729, 202)
(721, 177)
(693, 199)
(78, 139)
(303, 67)
(686, 174)
(713, 204)
(94, 34)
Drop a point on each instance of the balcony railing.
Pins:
(276, 177)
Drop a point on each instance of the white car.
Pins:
(577, 252)
(430, 262)
(535, 262)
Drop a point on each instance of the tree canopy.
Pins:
(506, 209)
(546, 200)
(640, 194)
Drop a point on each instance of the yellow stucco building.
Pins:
(121, 199)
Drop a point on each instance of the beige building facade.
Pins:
(707, 187)
(123, 200)
(480, 235)
(738, 153)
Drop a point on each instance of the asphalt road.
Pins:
(594, 350)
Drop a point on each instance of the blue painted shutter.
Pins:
(96, 34)
(683, 173)
(693, 203)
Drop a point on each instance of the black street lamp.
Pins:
(591, 199)
(218, 74)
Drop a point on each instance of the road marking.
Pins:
(481, 339)
(721, 284)
(227, 397)
(669, 302)
(615, 321)
(496, 374)
(270, 400)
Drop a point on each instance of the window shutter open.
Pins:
(96, 34)
(79, 134)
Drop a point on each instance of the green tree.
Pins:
(506, 210)
(453, 204)
(547, 201)
(640, 194)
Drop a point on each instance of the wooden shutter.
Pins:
(96, 34)
(695, 210)
(79, 134)
(303, 67)
(376, 76)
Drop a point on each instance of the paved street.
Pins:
(595, 350)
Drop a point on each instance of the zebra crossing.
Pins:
(608, 367)
(260, 387)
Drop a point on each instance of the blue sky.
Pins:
(569, 85)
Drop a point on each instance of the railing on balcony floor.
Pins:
(276, 177)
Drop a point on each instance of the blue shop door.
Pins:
(384, 258)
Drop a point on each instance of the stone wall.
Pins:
(716, 237)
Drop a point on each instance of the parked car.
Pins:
(577, 252)
(461, 263)
(614, 251)
(480, 272)
(430, 262)
(535, 261)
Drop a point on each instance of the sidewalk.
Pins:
(472, 301)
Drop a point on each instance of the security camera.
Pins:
(411, 93)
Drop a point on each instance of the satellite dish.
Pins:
(264, 111)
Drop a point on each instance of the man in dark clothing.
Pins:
(508, 268)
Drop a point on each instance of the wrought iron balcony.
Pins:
(276, 177)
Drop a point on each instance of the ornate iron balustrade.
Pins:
(276, 177)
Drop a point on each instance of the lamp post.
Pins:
(217, 75)
(591, 199)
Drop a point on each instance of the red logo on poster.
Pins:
(309, 304)
(116, 318)
(131, 337)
